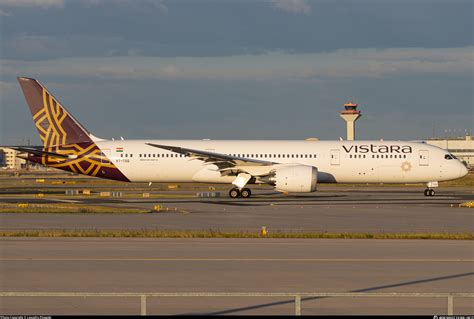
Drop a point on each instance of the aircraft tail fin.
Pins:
(55, 125)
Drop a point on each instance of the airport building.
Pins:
(461, 147)
(10, 160)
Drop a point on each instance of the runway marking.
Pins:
(242, 259)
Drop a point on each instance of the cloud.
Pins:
(225, 28)
(32, 3)
(355, 63)
(292, 6)
(4, 13)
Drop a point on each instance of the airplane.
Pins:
(287, 165)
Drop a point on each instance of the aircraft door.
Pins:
(424, 158)
(335, 157)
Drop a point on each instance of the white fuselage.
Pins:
(336, 161)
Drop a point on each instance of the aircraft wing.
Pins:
(222, 161)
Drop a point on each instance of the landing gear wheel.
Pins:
(429, 192)
(245, 193)
(234, 193)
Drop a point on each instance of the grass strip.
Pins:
(220, 234)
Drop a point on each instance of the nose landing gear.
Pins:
(429, 192)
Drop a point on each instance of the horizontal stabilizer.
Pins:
(38, 151)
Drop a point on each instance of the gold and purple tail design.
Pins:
(63, 135)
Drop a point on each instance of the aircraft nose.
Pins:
(463, 171)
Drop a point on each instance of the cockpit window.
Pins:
(449, 157)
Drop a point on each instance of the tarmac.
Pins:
(372, 210)
(244, 265)
(234, 265)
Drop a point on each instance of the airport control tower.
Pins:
(350, 115)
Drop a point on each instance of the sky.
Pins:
(241, 69)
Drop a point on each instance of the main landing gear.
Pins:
(429, 192)
(244, 193)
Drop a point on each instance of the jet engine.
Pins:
(295, 178)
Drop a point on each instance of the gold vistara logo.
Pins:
(406, 166)
(54, 124)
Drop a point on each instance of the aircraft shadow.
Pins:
(370, 289)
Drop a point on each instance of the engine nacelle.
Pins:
(296, 178)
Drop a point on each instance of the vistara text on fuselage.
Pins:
(289, 166)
